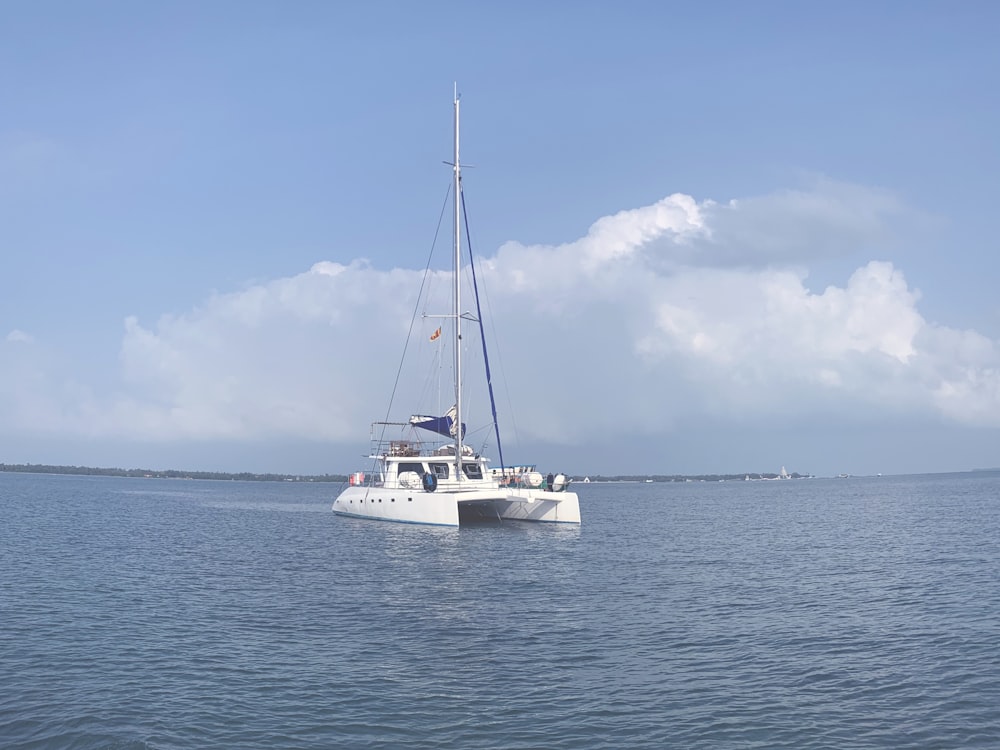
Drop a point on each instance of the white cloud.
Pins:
(656, 316)
(279, 359)
(831, 219)
(19, 337)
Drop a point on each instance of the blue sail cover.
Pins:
(441, 425)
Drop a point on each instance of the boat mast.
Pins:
(456, 195)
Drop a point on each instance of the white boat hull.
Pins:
(445, 508)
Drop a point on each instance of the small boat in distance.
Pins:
(441, 480)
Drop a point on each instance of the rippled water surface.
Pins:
(826, 613)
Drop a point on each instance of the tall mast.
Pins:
(456, 194)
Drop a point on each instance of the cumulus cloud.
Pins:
(19, 337)
(656, 316)
(831, 219)
(286, 358)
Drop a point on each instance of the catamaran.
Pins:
(424, 471)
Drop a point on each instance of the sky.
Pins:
(718, 237)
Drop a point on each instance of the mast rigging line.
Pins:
(413, 319)
(482, 331)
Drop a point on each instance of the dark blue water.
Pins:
(857, 613)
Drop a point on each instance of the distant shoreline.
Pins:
(272, 477)
(244, 476)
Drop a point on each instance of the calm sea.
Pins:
(825, 613)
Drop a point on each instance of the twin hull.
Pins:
(442, 508)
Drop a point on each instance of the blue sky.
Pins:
(745, 235)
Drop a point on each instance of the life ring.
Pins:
(430, 482)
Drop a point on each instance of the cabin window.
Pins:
(440, 470)
(473, 471)
(408, 466)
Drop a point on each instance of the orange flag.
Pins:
(436, 335)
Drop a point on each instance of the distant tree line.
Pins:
(244, 476)
(250, 477)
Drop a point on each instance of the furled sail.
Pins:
(441, 425)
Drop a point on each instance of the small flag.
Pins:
(436, 335)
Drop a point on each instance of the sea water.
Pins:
(823, 613)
